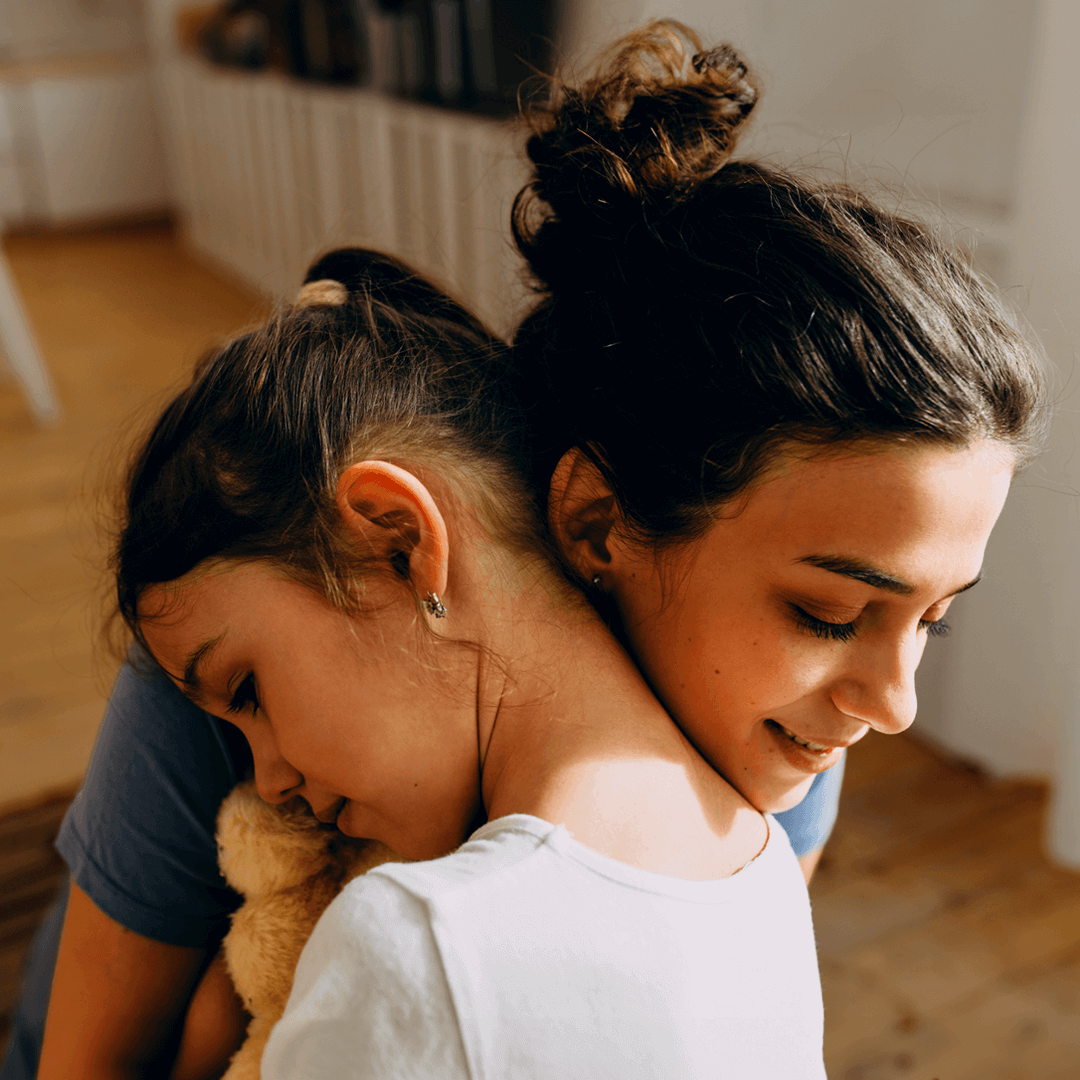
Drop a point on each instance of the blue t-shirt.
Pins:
(139, 837)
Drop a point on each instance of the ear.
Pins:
(391, 511)
(582, 514)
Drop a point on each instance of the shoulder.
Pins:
(380, 989)
(370, 997)
(498, 851)
(773, 877)
(372, 923)
(386, 918)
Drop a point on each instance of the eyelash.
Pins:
(846, 631)
(245, 695)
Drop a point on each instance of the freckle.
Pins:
(717, 671)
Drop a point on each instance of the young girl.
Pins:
(696, 310)
(328, 541)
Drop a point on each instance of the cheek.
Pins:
(311, 718)
(753, 664)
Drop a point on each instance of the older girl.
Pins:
(704, 323)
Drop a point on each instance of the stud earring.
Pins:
(436, 608)
(597, 581)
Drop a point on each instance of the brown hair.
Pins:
(243, 463)
(698, 313)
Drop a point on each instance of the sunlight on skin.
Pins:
(801, 617)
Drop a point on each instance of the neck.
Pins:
(573, 734)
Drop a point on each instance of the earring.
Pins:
(597, 581)
(436, 608)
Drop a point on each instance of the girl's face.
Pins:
(316, 692)
(796, 624)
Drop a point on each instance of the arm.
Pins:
(148, 905)
(214, 1027)
(117, 998)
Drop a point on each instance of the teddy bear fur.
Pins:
(288, 866)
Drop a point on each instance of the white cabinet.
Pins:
(270, 172)
(11, 197)
(79, 140)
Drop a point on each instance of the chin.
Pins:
(775, 800)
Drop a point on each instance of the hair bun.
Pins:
(656, 121)
(726, 61)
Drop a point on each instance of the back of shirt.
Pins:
(525, 954)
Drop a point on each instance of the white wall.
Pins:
(1014, 695)
(926, 94)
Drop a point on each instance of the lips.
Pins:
(328, 815)
(822, 749)
(815, 748)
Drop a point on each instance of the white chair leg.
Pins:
(18, 347)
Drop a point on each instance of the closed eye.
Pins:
(246, 696)
(846, 631)
(830, 631)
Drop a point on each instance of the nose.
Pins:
(878, 685)
(275, 779)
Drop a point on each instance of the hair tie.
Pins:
(322, 293)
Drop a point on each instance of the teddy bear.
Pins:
(288, 866)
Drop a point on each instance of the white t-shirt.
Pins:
(526, 955)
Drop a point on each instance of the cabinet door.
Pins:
(11, 198)
(101, 151)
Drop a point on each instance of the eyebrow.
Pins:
(191, 679)
(871, 575)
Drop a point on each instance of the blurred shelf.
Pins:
(269, 171)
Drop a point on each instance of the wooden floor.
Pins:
(120, 316)
(950, 948)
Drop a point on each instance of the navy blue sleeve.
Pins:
(809, 824)
(139, 837)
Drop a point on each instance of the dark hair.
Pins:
(373, 362)
(697, 314)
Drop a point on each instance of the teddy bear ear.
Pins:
(263, 849)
